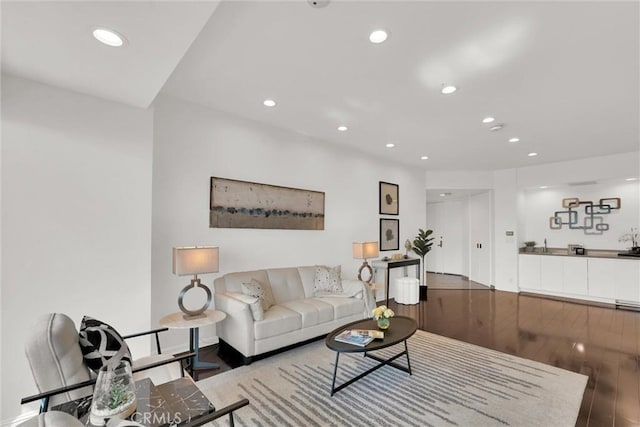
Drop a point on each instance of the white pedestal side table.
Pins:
(176, 321)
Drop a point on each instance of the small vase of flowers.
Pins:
(382, 314)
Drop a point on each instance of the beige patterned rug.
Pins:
(453, 384)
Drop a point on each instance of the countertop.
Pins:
(590, 253)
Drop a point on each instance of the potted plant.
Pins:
(528, 246)
(421, 246)
(633, 238)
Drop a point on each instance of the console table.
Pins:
(389, 264)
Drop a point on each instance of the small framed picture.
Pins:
(388, 198)
(389, 234)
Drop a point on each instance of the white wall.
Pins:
(76, 213)
(192, 143)
(542, 203)
(505, 211)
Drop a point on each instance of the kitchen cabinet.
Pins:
(529, 271)
(602, 279)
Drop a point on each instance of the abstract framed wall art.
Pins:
(242, 204)
(389, 234)
(388, 198)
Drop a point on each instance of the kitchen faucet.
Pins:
(545, 245)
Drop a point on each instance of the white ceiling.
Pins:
(51, 42)
(563, 76)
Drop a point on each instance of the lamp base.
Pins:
(199, 313)
(193, 316)
(365, 266)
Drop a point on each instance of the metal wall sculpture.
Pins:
(591, 221)
(241, 204)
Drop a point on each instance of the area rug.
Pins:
(453, 384)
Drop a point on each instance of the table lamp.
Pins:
(195, 260)
(364, 250)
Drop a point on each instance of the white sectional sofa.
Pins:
(298, 314)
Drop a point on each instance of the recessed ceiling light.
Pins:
(532, 154)
(108, 37)
(514, 140)
(448, 89)
(343, 128)
(424, 158)
(390, 145)
(378, 36)
(269, 103)
(631, 179)
(544, 186)
(496, 127)
(445, 194)
(442, 194)
(488, 119)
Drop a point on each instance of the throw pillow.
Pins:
(259, 290)
(101, 344)
(254, 304)
(327, 279)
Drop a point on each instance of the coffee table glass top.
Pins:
(401, 328)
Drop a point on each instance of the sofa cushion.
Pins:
(277, 321)
(343, 307)
(327, 279)
(285, 284)
(255, 304)
(307, 277)
(311, 311)
(100, 343)
(260, 290)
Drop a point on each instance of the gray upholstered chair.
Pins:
(56, 361)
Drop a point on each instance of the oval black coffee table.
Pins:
(400, 330)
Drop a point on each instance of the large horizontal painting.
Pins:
(241, 204)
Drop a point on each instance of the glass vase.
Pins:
(114, 395)
(383, 323)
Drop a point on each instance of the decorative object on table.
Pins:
(195, 260)
(381, 315)
(363, 251)
(529, 246)
(388, 198)
(114, 394)
(633, 238)
(592, 221)
(354, 338)
(389, 238)
(421, 246)
(242, 204)
(407, 247)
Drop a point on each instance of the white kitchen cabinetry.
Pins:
(598, 279)
(575, 278)
(529, 271)
(614, 278)
(551, 273)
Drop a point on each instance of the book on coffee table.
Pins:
(379, 335)
(354, 337)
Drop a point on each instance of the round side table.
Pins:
(177, 321)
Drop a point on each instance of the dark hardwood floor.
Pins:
(602, 343)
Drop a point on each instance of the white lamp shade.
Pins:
(195, 260)
(365, 250)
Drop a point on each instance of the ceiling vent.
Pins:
(318, 4)
(577, 184)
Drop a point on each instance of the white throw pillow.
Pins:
(254, 304)
(327, 279)
(261, 291)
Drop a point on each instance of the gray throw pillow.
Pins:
(327, 279)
